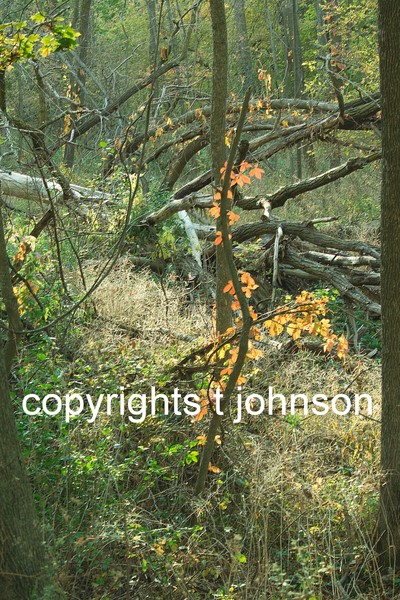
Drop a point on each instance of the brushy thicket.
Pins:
(289, 512)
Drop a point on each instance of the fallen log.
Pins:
(334, 277)
(304, 231)
(36, 189)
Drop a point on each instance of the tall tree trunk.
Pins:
(41, 96)
(21, 549)
(152, 16)
(245, 59)
(3, 97)
(218, 148)
(321, 33)
(298, 73)
(389, 515)
(274, 54)
(77, 91)
(286, 17)
(287, 36)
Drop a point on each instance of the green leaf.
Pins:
(38, 18)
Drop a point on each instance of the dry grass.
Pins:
(291, 514)
(132, 304)
(307, 517)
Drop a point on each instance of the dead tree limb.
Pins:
(270, 201)
(333, 276)
(304, 231)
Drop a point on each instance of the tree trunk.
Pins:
(77, 91)
(152, 15)
(245, 60)
(21, 549)
(389, 515)
(321, 33)
(218, 148)
(298, 74)
(274, 54)
(297, 53)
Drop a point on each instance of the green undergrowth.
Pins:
(290, 503)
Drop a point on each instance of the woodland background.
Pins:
(109, 278)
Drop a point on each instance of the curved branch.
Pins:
(270, 201)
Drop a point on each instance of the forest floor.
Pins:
(291, 501)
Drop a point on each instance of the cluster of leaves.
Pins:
(21, 41)
(238, 177)
(307, 315)
(37, 285)
(309, 318)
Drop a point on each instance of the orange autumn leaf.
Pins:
(226, 371)
(235, 305)
(253, 352)
(203, 411)
(22, 250)
(233, 217)
(294, 330)
(218, 238)
(343, 347)
(234, 354)
(229, 288)
(330, 342)
(213, 468)
(215, 211)
(247, 279)
(256, 172)
(255, 333)
(253, 313)
(244, 165)
(241, 180)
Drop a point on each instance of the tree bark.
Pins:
(274, 53)
(151, 6)
(389, 514)
(245, 59)
(21, 549)
(218, 148)
(77, 91)
(36, 190)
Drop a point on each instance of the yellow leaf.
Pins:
(330, 342)
(294, 331)
(274, 328)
